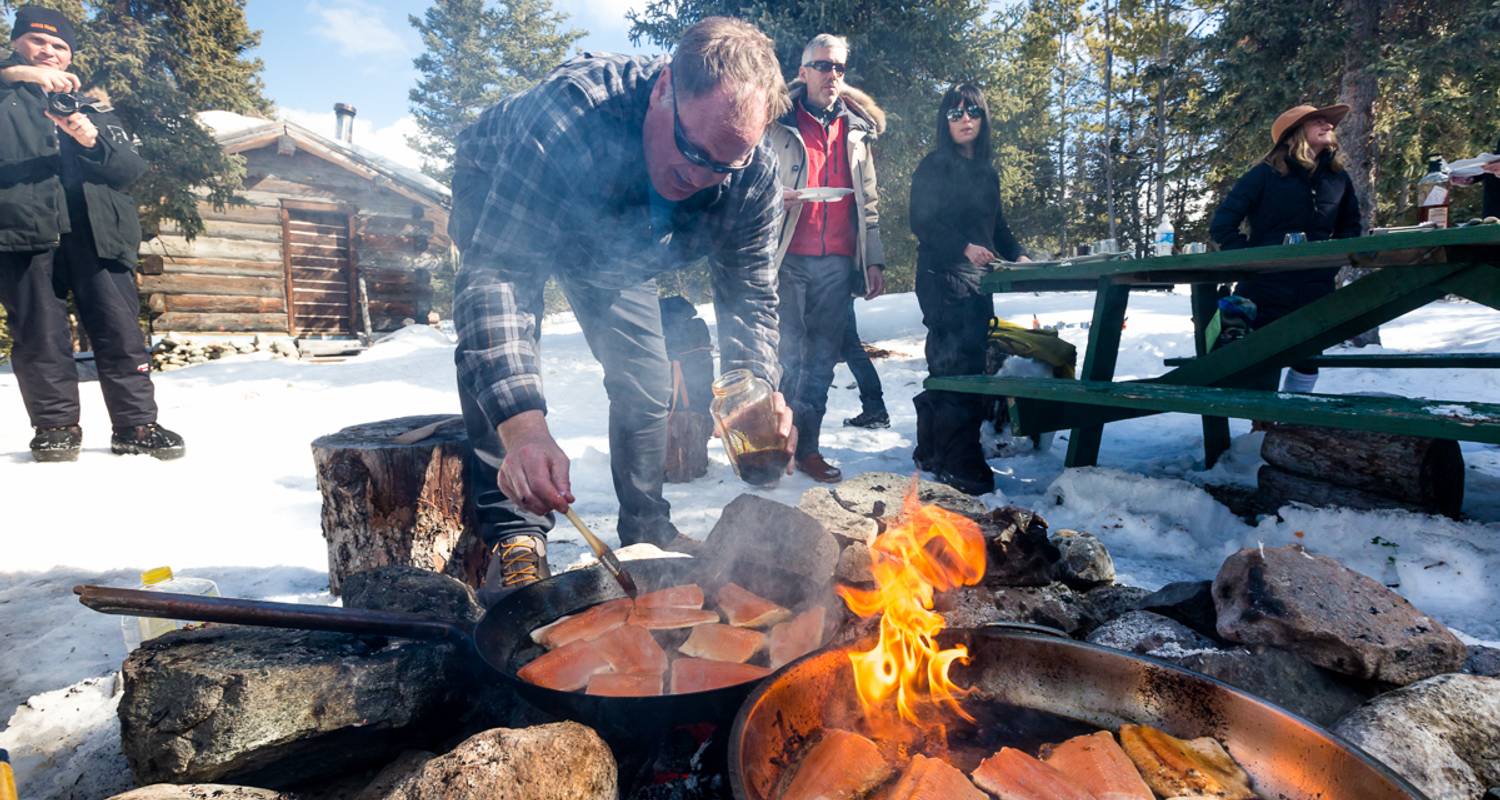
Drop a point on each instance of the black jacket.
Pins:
(33, 201)
(1491, 196)
(1321, 204)
(955, 202)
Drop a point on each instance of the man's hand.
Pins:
(1493, 168)
(790, 199)
(978, 256)
(79, 127)
(785, 428)
(51, 80)
(1024, 259)
(535, 471)
(874, 281)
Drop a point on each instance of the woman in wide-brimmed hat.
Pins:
(1300, 186)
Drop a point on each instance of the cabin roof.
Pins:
(238, 133)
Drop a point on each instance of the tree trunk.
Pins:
(395, 492)
(1415, 471)
(1277, 487)
(1109, 128)
(1359, 90)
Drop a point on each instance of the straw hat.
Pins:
(1292, 117)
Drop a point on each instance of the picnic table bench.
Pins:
(1415, 268)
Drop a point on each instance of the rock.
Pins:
(879, 495)
(1146, 633)
(561, 761)
(756, 540)
(1483, 661)
(1188, 602)
(1278, 676)
(413, 590)
(1329, 615)
(822, 505)
(1055, 606)
(200, 791)
(1017, 550)
(1104, 603)
(1442, 734)
(273, 707)
(393, 774)
(854, 564)
(1084, 561)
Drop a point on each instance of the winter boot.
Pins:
(60, 443)
(515, 561)
(923, 455)
(869, 419)
(147, 440)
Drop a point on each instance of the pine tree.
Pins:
(476, 53)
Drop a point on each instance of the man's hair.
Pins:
(821, 41)
(720, 51)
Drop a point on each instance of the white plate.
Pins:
(823, 194)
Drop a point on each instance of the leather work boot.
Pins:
(813, 466)
(60, 443)
(515, 561)
(147, 440)
(869, 419)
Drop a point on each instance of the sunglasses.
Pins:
(957, 113)
(697, 155)
(828, 66)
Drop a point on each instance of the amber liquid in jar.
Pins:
(746, 418)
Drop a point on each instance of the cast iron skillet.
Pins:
(502, 638)
(1286, 756)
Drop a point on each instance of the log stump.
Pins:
(394, 493)
(1355, 469)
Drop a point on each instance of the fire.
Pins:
(931, 550)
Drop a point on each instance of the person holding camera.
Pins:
(67, 225)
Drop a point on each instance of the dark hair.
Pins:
(957, 95)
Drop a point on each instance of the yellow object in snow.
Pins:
(7, 778)
(1042, 345)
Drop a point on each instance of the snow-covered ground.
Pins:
(242, 508)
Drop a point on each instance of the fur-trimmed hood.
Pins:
(862, 107)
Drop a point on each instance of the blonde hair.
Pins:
(1294, 147)
(721, 51)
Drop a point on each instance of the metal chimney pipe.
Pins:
(343, 115)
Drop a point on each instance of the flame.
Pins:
(928, 551)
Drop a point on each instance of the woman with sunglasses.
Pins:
(960, 229)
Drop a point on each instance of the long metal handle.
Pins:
(266, 614)
(602, 551)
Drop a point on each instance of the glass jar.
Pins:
(746, 419)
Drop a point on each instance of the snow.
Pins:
(243, 507)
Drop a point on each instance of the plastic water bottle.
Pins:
(1166, 237)
(141, 629)
(1434, 193)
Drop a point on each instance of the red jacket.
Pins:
(826, 229)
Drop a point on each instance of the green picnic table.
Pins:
(1416, 268)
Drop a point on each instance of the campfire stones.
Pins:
(1018, 551)
(413, 590)
(854, 565)
(1084, 561)
(560, 761)
(1145, 633)
(880, 495)
(848, 525)
(1442, 733)
(1329, 615)
(1188, 602)
(1483, 661)
(1111, 600)
(1055, 606)
(199, 791)
(756, 535)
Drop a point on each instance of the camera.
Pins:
(66, 103)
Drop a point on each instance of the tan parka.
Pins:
(866, 123)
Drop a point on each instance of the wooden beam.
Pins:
(173, 246)
(172, 283)
(1099, 364)
(192, 322)
(210, 303)
(217, 266)
(1391, 361)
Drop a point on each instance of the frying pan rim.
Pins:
(737, 730)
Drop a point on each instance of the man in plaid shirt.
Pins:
(611, 171)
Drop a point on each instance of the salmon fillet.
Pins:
(632, 684)
(1175, 767)
(839, 766)
(702, 674)
(1097, 763)
(746, 609)
(663, 618)
(584, 625)
(1012, 775)
(932, 779)
(631, 648)
(719, 642)
(688, 595)
(566, 669)
(797, 637)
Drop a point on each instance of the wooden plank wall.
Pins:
(231, 277)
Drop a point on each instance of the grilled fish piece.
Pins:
(631, 648)
(746, 609)
(631, 684)
(797, 637)
(688, 595)
(723, 643)
(585, 625)
(1097, 763)
(931, 779)
(1013, 775)
(566, 669)
(1184, 767)
(702, 674)
(839, 766)
(661, 618)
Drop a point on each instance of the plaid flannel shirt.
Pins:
(553, 181)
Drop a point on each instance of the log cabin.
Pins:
(331, 241)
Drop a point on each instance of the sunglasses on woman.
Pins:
(828, 66)
(957, 113)
(697, 155)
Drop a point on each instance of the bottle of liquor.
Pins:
(1434, 193)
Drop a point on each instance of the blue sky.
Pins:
(321, 52)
